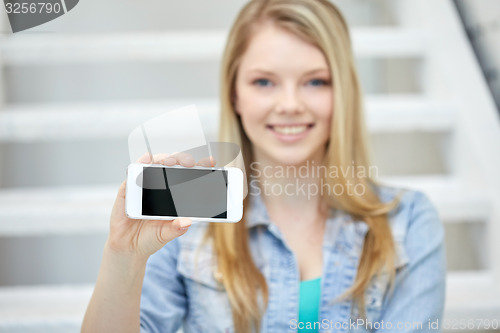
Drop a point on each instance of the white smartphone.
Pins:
(159, 192)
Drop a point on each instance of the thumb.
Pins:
(174, 229)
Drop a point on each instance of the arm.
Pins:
(114, 306)
(419, 292)
(164, 302)
(116, 300)
(136, 294)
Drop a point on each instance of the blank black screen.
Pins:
(184, 192)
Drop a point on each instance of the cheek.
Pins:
(322, 104)
(253, 123)
(256, 103)
(253, 106)
(251, 97)
(249, 114)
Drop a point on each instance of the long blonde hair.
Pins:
(320, 23)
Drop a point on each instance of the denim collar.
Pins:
(256, 213)
(339, 222)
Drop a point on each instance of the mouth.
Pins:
(292, 129)
(290, 133)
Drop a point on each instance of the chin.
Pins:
(292, 159)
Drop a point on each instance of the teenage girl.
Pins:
(324, 249)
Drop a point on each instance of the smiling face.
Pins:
(284, 97)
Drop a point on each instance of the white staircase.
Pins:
(447, 120)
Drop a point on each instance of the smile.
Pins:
(290, 132)
(290, 129)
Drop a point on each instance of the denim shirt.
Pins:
(176, 293)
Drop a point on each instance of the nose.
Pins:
(289, 101)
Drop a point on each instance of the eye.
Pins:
(319, 82)
(262, 82)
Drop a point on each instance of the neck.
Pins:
(291, 192)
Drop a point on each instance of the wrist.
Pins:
(125, 263)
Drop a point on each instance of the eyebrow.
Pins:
(271, 73)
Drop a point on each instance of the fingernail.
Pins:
(184, 223)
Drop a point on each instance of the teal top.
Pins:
(309, 305)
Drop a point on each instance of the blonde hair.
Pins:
(320, 23)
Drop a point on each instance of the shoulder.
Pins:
(415, 222)
(412, 206)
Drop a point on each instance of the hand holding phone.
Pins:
(144, 237)
(160, 192)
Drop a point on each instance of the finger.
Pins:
(159, 158)
(122, 189)
(169, 161)
(175, 228)
(182, 223)
(145, 158)
(207, 162)
(184, 159)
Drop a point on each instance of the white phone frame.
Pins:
(133, 197)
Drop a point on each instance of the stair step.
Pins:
(180, 46)
(60, 308)
(406, 113)
(92, 121)
(56, 308)
(86, 209)
(454, 201)
(472, 296)
(60, 210)
(387, 113)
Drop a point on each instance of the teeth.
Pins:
(290, 129)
